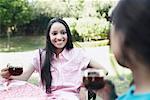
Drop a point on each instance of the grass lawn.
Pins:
(28, 43)
(20, 43)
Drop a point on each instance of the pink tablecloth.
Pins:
(20, 90)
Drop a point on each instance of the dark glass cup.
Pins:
(94, 80)
(15, 70)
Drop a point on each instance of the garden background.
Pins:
(23, 24)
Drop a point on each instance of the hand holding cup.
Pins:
(93, 79)
(15, 70)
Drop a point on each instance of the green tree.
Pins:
(89, 9)
(92, 28)
(72, 24)
(52, 8)
(102, 7)
(59, 8)
(13, 13)
(75, 8)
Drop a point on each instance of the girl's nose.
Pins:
(59, 36)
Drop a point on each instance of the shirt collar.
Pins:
(65, 53)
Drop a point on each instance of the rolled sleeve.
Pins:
(84, 58)
(36, 60)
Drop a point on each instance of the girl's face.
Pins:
(115, 42)
(117, 45)
(58, 35)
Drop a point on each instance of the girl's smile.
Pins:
(58, 35)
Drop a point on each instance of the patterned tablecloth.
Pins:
(20, 90)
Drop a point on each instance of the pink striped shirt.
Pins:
(66, 72)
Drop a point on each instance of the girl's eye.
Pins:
(64, 32)
(54, 33)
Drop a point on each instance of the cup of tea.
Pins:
(15, 70)
(93, 79)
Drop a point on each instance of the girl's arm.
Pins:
(27, 72)
(97, 65)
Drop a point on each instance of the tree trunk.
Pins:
(8, 38)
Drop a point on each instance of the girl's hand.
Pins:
(82, 93)
(104, 93)
(108, 92)
(5, 73)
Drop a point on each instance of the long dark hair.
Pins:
(132, 18)
(46, 75)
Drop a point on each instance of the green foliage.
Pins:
(75, 7)
(31, 18)
(51, 8)
(37, 26)
(102, 7)
(14, 12)
(72, 24)
(89, 9)
(104, 27)
(85, 27)
(59, 8)
(92, 28)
